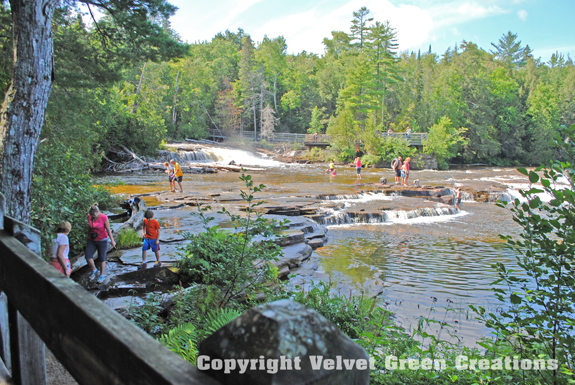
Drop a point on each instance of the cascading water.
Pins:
(340, 217)
(240, 157)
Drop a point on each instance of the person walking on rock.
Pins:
(61, 248)
(99, 234)
(151, 234)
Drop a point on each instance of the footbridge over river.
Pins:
(310, 140)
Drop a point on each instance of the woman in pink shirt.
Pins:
(358, 167)
(98, 236)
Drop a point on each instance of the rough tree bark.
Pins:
(22, 113)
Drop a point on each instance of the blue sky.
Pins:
(545, 25)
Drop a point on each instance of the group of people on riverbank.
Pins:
(98, 239)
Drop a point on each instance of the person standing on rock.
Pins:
(178, 174)
(61, 248)
(151, 235)
(99, 234)
(397, 163)
(358, 167)
(170, 171)
(405, 171)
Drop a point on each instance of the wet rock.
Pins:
(293, 257)
(315, 243)
(290, 330)
(290, 238)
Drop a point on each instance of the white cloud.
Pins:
(522, 14)
(306, 30)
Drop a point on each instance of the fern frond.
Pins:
(182, 340)
(218, 318)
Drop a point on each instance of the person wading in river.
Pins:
(405, 171)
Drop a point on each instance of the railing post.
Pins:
(4, 330)
(23, 352)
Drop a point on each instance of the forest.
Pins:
(500, 106)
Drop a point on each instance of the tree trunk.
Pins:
(175, 101)
(135, 105)
(24, 107)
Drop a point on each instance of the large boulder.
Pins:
(289, 343)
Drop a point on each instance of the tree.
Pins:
(315, 124)
(269, 121)
(444, 141)
(23, 111)
(509, 50)
(359, 24)
(272, 53)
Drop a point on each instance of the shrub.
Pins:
(127, 239)
(232, 260)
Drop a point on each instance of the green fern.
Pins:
(217, 318)
(182, 340)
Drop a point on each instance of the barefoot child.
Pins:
(151, 234)
(331, 169)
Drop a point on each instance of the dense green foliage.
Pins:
(64, 192)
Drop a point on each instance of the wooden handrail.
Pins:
(93, 342)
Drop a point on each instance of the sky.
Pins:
(545, 25)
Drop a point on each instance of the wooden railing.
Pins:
(93, 342)
(415, 138)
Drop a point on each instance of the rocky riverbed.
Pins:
(308, 216)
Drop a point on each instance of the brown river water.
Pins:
(429, 266)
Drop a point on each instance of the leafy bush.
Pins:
(370, 160)
(62, 190)
(127, 239)
(444, 141)
(346, 154)
(392, 147)
(232, 260)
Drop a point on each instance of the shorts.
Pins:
(457, 201)
(150, 244)
(56, 263)
(403, 174)
(178, 178)
(358, 169)
(101, 246)
(170, 178)
(397, 172)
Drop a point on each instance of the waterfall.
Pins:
(340, 217)
(193, 156)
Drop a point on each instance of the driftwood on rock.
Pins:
(134, 162)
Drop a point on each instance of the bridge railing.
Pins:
(415, 138)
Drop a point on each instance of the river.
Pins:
(429, 266)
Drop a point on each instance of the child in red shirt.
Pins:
(151, 234)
